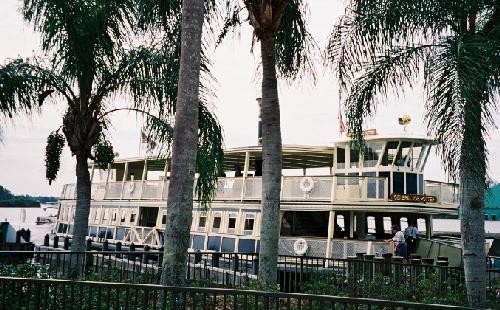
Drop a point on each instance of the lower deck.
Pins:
(329, 230)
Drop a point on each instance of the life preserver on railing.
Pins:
(306, 184)
(131, 187)
(300, 246)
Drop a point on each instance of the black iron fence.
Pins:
(228, 270)
(22, 293)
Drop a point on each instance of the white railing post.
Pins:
(386, 189)
(333, 190)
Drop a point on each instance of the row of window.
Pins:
(223, 244)
(224, 222)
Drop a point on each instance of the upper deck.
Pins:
(389, 171)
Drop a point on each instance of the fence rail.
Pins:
(229, 269)
(21, 293)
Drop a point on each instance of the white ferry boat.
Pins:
(334, 200)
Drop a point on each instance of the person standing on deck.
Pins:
(400, 245)
(411, 233)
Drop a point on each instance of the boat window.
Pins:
(387, 225)
(411, 183)
(231, 226)
(92, 231)
(305, 223)
(123, 213)
(121, 233)
(97, 212)
(341, 221)
(148, 216)
(421, 226)
(164, 218)
(216, 222)
(114, 215)
(106, 214)
(402, 158)
(91, 214)
(486, 216)
(249, 222)
(133, 214)
(354, 158)
(423, 153)
(493, 217)
(340, 157)
(390, 153)
(404, 223)
(202, 222)
(370, 220)
(372, 153)
(416, 150)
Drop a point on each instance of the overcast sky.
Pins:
(309, 112)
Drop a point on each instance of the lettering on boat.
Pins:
(413, 198)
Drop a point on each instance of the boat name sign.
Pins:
(413, 198)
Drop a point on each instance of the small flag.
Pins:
(341, 123)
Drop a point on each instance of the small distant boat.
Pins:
(40, 220)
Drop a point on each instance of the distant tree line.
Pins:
(7, 199)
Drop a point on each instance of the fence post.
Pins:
(368, 266)
(387, 265)
(131, 256)
(145, 255)
(118, 248)
(105, 245)
(197, 257)
(415, 268)
(379, 263)
(56, 241)
(215, 259)
(88, 246)
(66, 243)
(27, 235)
(46, 240)
(427, 262)
(398, 268)
(352, 269)
(441, 271)
(236, 263)
(255, 265)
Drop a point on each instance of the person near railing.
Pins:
(411, 233)
(400, 245)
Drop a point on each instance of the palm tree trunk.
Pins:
(472, 186)
(184, 148)
(81, 221)
(271, 166)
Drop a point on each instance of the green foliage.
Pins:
(25, 270)
(5, 194)
(422, 289)
(103, 152)
(53, 150)
(379, 48)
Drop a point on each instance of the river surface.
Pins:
(13, 215)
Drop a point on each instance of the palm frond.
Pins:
(25, 86)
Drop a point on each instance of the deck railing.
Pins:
(325, 188)
(20, 293)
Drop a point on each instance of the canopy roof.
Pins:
(294, 156)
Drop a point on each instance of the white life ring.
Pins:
(131, 187)
(300, 246)
(306, 184)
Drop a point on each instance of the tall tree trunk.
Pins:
(81, 221)
(271, 166)
(472, 187)
(184, 148)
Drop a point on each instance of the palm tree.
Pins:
(85, 64)
(185, 19)
(285, 46)
(379, 46)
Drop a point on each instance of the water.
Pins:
(13, 216)
(38, 231)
